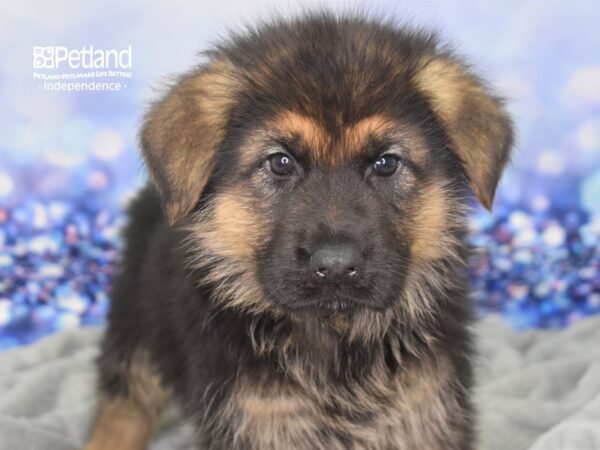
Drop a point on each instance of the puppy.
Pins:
(294, 274)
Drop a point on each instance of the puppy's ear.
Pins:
(182, 132)
(476, 122)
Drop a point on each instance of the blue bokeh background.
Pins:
(69, 161)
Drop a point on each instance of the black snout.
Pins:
(336, 249)
(336, 262)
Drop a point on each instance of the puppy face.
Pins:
(319, 166)
(342, 203)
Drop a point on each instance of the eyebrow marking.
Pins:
(357, 135)
(310, 131)
(308, 141)
(320, 145)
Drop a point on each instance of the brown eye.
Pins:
(281, 164)
(386, 165)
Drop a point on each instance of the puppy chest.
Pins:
(415, 410)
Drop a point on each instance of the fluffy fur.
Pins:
(216, 304)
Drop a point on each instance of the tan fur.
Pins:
(122, 424)
(475, 121)
(127, 422)
(271, 417)
(225, 237)
(427, 408)
(410, 411)
(431, 224)
(182, 133)
(363, 326)
(146, 388)
(312, 135)
(356, 135)
(433, 245)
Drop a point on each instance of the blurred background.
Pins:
(69, 160)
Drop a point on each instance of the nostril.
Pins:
(302, 254)
(322, 272)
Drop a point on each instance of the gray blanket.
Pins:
(537, 390)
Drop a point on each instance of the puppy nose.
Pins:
(336, 262)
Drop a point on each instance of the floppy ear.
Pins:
(476, 122)
(181, 134)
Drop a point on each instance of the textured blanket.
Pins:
(537, 390)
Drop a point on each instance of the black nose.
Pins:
(336, 262)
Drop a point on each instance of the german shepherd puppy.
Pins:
(295, 273)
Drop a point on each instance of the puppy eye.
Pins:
(385, 165)
(281, 164)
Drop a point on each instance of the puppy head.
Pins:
(319, 166)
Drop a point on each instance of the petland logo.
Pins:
(63, 69)
(84, 58)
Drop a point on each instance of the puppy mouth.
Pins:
(337, 305)
(332, 304)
